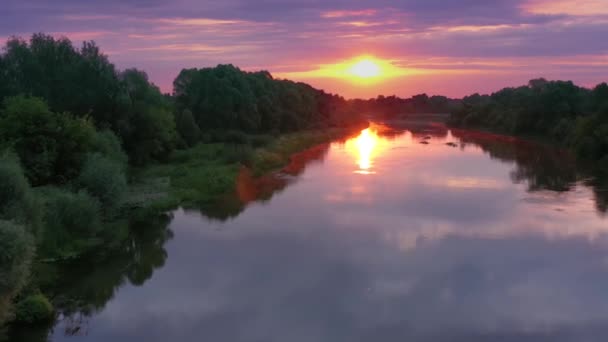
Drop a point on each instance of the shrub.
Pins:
(236, 154)
(203, 182)
(16, 249)
(13, 186)
(261, 140)
(104, 179)
(16, 199)
(265, 161)
(34, 309)
(72, 224)
(108, 144)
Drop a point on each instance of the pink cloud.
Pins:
(555, 7)
(342, 14)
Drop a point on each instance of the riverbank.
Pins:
(205, 172)
(557, 111)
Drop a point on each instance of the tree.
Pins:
(104, 179)
(80, 81)
(51, 146)
(149, 132)
(187, 127)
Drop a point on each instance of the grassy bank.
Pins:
(203, 173)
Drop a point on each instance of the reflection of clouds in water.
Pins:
(438, 245)
(275, 284)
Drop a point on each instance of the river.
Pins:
(407, 232)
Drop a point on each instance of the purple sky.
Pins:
(450, 47)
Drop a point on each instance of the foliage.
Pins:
(16, 250)
(80, 81)
(34, 309)
(17, 201)
(51, 146)
(15, 253)
(104, 179)
(109, 145)
(393, 106)
(84, 83)
(149, 131)
(225, 98)
(72, 224)
(187, 127)
(556, 110)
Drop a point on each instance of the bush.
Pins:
(261, 140)
(72, 224)
(16, 249)
(236, 154)
(34, 309)
(13, 186)
(104, 179)
(108, 144)
(204, 182)
(265, 161)
(16, 199)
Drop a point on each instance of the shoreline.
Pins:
(199, 176)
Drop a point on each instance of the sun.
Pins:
(365, 68)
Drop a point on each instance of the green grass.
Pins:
(277, 154)
(203, 173)
(191, 176)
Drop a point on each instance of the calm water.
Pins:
(379, 238)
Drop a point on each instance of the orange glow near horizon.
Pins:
(362, 70)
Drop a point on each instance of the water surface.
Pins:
(390, 236)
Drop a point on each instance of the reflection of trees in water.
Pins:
(599, 185)
(251, 189)
(80, 289)
(542, 167)
(419, 129)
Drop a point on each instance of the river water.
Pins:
(392, 235)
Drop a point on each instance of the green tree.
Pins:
(104, 179)
(51, 146)
(109, 145)
(150, 132)
(72, 224)
(187, 127)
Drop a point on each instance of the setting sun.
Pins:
(365, 68)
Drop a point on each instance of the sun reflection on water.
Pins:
(364, 147)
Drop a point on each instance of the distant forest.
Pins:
(555, 110)
(390, 107)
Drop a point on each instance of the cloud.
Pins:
(342, 14)
(576, 8)
(273, 34)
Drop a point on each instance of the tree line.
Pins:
(72, 125)
(388, 107)
(558, 110)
